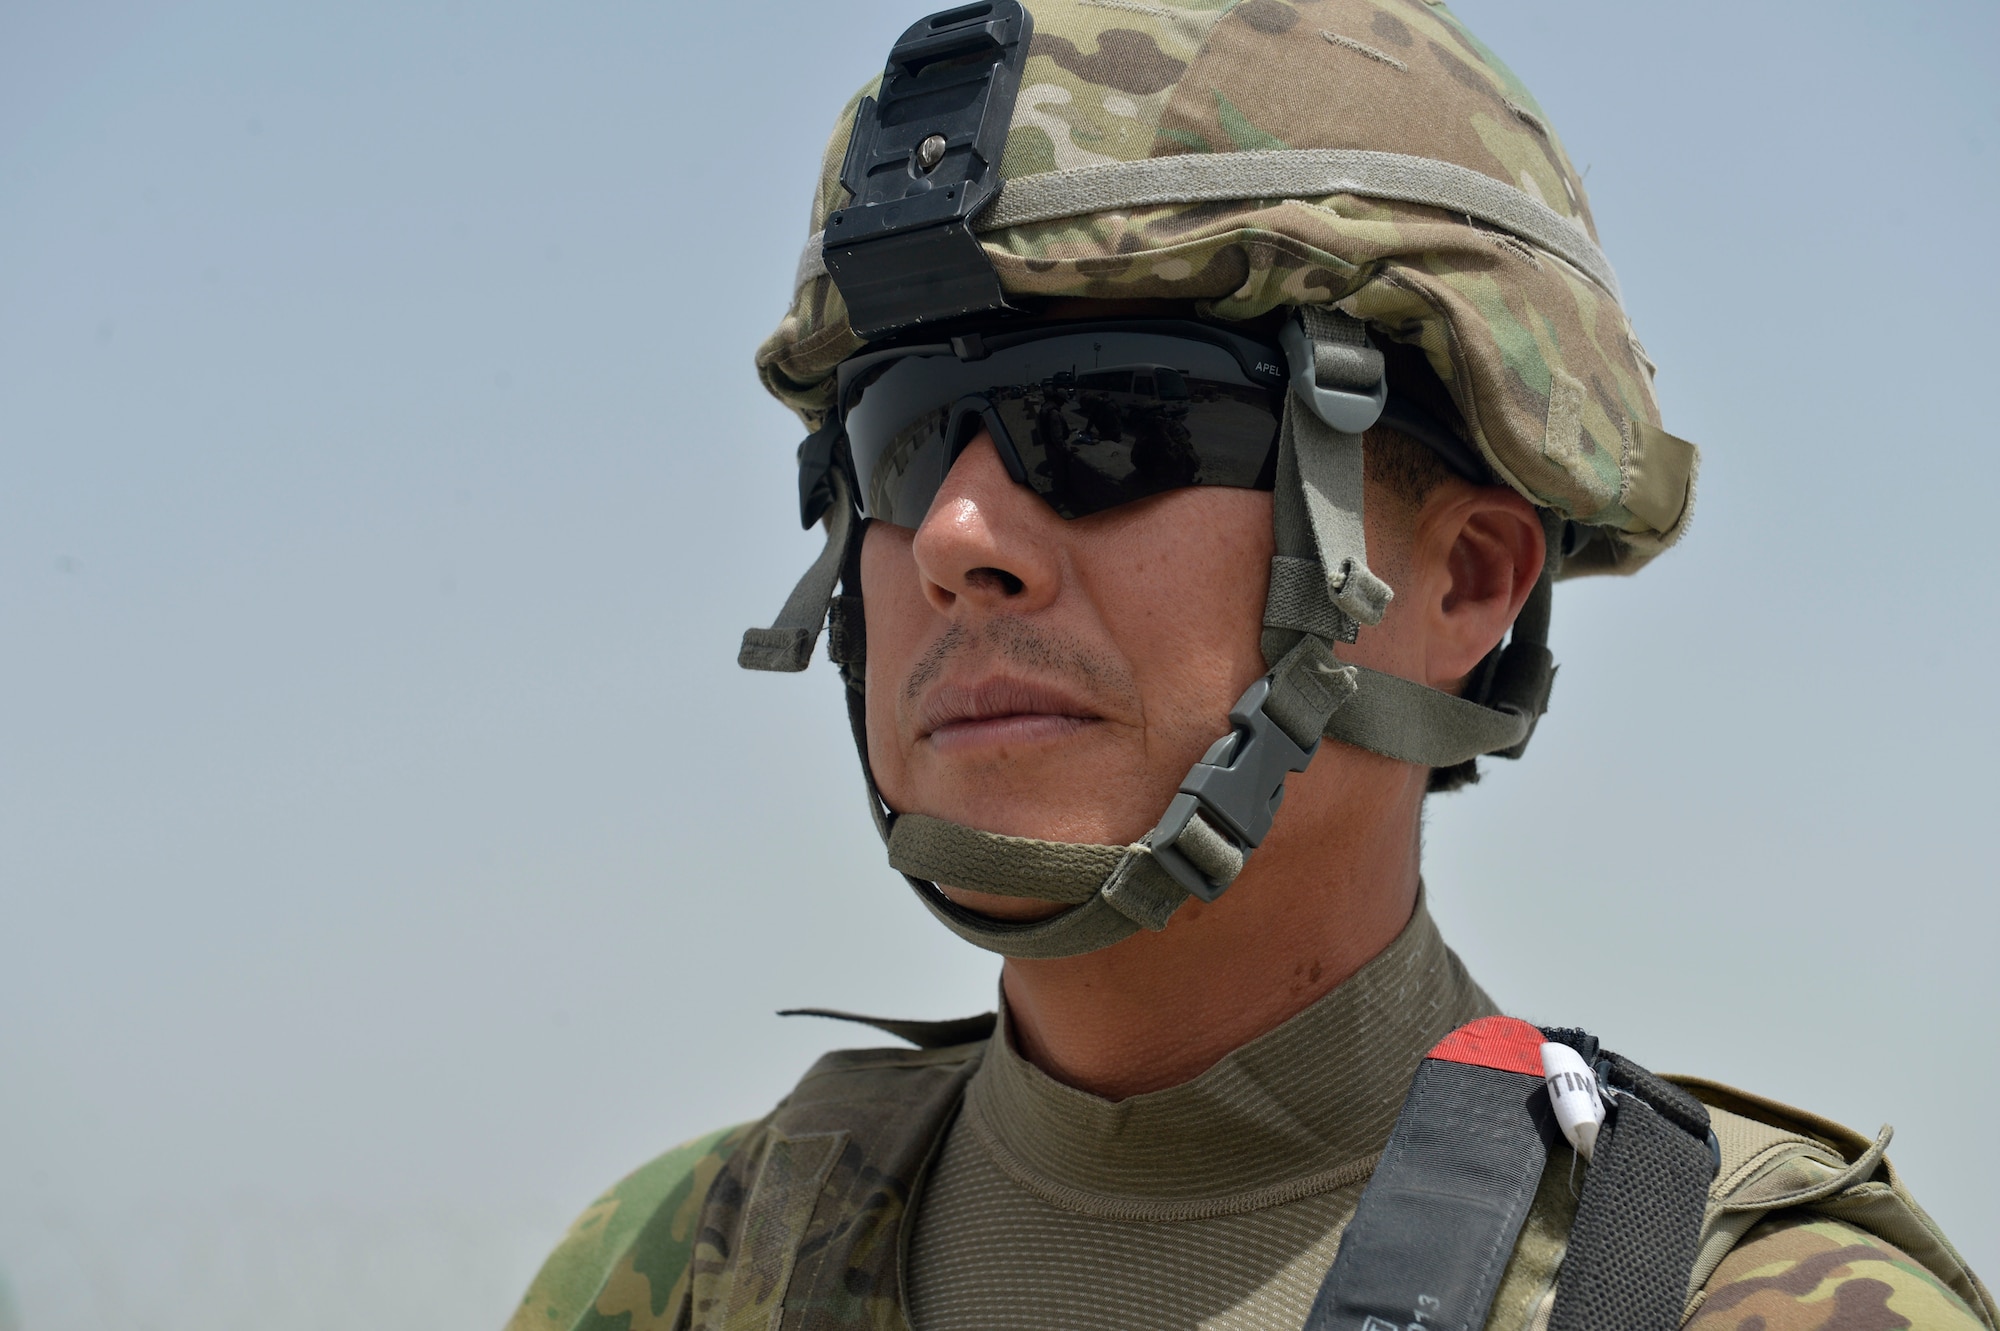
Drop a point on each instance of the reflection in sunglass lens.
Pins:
(1094, 440)
(909, 470)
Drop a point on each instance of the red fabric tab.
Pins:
(1504, 1043)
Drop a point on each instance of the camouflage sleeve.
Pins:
(601, 1259)
(1809, 1273)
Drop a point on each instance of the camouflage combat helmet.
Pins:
(1372, 168)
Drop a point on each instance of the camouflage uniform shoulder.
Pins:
(1813, 1214)
(1802, 1272)
(628, 1253)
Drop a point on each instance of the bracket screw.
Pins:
(930, 152)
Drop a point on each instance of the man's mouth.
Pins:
(1000, 711)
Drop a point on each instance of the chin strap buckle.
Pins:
(1228, 800)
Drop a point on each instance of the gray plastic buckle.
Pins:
(1347, 410)
(1236, 787)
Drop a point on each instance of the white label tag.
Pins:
(1573, 1092)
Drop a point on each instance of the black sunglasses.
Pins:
(1088, 416)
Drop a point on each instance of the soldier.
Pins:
(1164, 745)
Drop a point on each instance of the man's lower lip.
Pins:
(1022, 728)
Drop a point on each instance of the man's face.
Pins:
(1056, 678)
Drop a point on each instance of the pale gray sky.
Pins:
(391, 854)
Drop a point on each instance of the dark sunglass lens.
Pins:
(1090, 440)
(901, 476)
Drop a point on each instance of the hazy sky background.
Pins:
(391, 854)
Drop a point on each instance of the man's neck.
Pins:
(1332, 886)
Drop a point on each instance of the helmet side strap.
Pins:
(1412, 723)
(787, 645)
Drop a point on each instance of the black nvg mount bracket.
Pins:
(924, 158)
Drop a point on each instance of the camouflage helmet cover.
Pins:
(1525, 330)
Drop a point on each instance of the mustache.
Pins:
(1021, 643)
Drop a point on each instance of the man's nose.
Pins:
(988, 541)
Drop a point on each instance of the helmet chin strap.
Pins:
(1321, 591)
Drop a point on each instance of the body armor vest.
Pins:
(800, 1222)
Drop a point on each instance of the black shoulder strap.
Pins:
(1433, 1232)
(1638, 1223)
(1439, 1218)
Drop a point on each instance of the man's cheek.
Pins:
(890, 655)
(895, 613)
(888, 578)
(886, 759)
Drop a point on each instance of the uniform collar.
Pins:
(1295, 1111)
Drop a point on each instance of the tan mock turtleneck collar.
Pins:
(1301, 1109)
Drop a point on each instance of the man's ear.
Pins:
(1479, 550)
